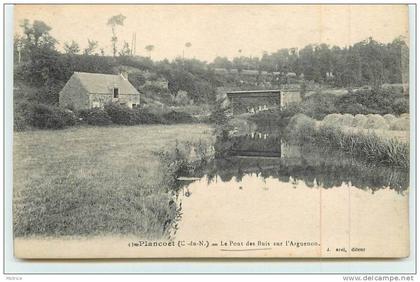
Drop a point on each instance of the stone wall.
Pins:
(73, 95)
(99, 100)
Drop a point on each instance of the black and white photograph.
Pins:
(211, 131)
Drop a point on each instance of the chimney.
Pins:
(124, 74)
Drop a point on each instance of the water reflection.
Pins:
(259, 187)
(267, 154)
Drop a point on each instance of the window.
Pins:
(134, 105)
(115, 92)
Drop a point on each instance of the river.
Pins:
(268, 198)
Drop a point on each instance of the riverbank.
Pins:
(363, 144)
(96, 180)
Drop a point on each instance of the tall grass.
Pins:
(110, 181)
(368, 147)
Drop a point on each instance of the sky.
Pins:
(219, 30)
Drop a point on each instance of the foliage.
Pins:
(92, 45)
(120, 114)
(71, 48)
(113, 22)
(319, 105)
(368, 147)
(382, 100)
(42, 116)
(143, 116)
(302, 128)
(177, 117)
(218, 114)
(46, 70)
(126, 50)
(188, 158)
(95, 116)
(365, 63)
(136, 79)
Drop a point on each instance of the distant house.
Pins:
(93, 90)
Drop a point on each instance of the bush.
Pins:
(385, 100)
(338, 120)
(137, 79)
(332, 120)
(120, 114)
(400, 123)
(301, 128)
(20, 116)
(389, 118)
(95, 116)
(319, 105)
(360, 121)
(401, 105)
(368, 147)
(143, 116)
(177, 117)
(182, 98)
(43, 117)
(347, 120)
(376, 122)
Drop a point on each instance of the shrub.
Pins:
(332, 120)
(182, 98)
(368, 147)
(389, 118)
(20, 116)
(95, 116)
(177, 117)
(137, 79)
(346, 120)
(301, 128)
(400, 124)
(218, 116)
(43, 117)
(319, 105)
(360, 121)
(401, 105)
(120, 114)
(376, 122)
(144, 116)
(374, 101)
(19, 122)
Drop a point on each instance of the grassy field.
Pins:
(95, 180)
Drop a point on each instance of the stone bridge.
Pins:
(254, 101)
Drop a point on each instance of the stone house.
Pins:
(94, 90)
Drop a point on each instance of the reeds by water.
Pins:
(367, 146)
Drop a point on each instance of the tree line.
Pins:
(42, 66)
(368, 62)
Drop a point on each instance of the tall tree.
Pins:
(149, 48)
(36, 36)
(113, 22)
(126, 50)
(71, 48)
(92, 45)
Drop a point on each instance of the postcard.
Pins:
(223, 131)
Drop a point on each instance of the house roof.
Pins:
(103, 83)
